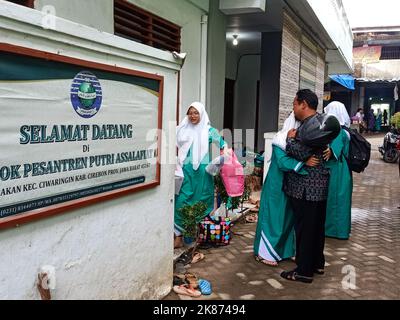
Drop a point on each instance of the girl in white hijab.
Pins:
(338, 110)
(194, 136)
(193, 133)
(274, 240)
(280, 138)
(338, 210)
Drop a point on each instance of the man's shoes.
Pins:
(294, 276)
(319, 271)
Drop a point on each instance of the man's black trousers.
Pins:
(309, 227)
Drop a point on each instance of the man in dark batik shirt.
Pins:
(307, 194)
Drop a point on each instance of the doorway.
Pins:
(229, 102)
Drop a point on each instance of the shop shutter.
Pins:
(308, 64)
(139, 25)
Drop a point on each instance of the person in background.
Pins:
(378, 121)
(194, 137)
(338, 211)
(274, 239)
(385, 117)
(359, 116)
(371, 121)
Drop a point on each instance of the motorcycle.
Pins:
(391, 146)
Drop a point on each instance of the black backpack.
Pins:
(359, 151)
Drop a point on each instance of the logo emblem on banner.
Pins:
(86, 94)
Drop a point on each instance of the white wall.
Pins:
(216, 65)
(119, 249)
(97, 14)
(384, 69)
(246, 93)
(242, 6)
(188, 16)
(332, 16)
(202, 4)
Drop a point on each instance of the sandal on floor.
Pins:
(198, 256)
(294, 276)
(267, 262)
(192, 279)
(187, 290)
(251, 218)
(205, 287)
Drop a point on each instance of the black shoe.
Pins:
(294, 276)
(319, 271)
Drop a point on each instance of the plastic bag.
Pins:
(220, 212)
(214, 167)
(232, 175)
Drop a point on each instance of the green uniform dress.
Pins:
(338, 210)
(197, 185)
(275, 238)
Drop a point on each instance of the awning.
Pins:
(345, 80)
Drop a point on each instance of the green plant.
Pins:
(231, 202)
(191, 216)
(395, 120)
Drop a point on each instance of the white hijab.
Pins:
(188, 135)
(338, 110)
(280, 138)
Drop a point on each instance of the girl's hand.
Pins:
(312, 162)
(292, 133)
(327, 154)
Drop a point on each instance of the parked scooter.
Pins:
(391, 146)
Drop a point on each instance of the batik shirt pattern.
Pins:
(311, 187)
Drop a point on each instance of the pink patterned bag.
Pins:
(232, 175)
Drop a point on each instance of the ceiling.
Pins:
(249, 27)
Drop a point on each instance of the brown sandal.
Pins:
(266, 262)
(191, 279)
(198, 256)
(187, 290)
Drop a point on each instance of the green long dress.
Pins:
(197, 185)
(275, 238)
(338, 211)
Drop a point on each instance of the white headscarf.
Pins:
(188, 135)
(280, 138)
(338, 110)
